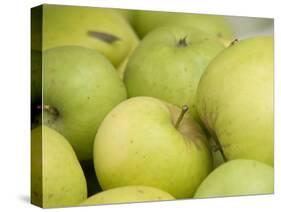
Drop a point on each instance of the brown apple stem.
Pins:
(219, 147)
(103, 36)
(234, 42)
(183, 111)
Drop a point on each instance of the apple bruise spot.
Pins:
(140, 191)
(219, 35)
(50, 196)
(52, 111)
(182, 42)
(103, 36)
(52, 114)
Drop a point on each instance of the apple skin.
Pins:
(216, 26)
(83, 87)
(57, 179)
(128, 194)
(127, 14)
(138, 144)
(238, 177)
(162, 66)
(122, 67)
(235, 100)
(70, 25)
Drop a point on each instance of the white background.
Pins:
(14, 102)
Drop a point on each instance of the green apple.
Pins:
(128, 194)
(238, 177)
(127, 14)
(235, 100)
(57, 178)
(80, 86)
(105, 30)
(216, 26)
(122, 67)
(168, 64)
(144, 141)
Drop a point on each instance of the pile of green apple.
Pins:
(134, 106)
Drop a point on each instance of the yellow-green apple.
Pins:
(122, 67)
(144, 141)
(216, 26)
(105, 30)
(128, 14)
(235, 100)
(238, 177)
(80, 86)
(168, 64)
(128, 194)
(57, 179)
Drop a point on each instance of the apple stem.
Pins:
(103, 36)
(219, 147)
(234, 42)
(183, 111)
(223, 155)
